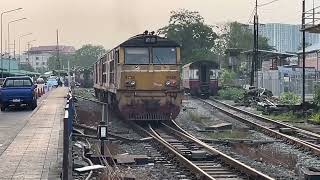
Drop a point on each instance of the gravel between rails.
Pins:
(89, 113)
(211, 117)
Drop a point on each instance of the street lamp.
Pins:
(1, 36)
(16, 20)
(28, 43)
(21, 36)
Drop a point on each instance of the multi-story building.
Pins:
(286, 37)
(38, 57)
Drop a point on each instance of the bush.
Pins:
(231, 93)
(226, 77)
(289, 98)
(316, 117)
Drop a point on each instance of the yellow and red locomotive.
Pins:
(141, 78)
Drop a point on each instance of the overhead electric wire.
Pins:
(268, 3)
(251, 15)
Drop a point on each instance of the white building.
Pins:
(37, 61)
(285, 37)
(38, 57)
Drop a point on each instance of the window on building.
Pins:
(37, 63)
(37, 58)
(43, 63)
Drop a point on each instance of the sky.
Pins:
(110, 22)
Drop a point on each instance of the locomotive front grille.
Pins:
(150, 117)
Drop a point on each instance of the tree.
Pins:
(234, 35)
(189, 30)
(88, 54)
(26, 67)
(63, 58)
(306, 45)
(240, 36)
(83, 57)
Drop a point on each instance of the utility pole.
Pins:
(254, 61)
(58, 60)
(303, 52)
(14, 49)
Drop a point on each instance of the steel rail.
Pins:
(253, 173)
(265, 119)
(293, 140)
(187, 163)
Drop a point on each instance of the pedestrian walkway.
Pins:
(36, 151)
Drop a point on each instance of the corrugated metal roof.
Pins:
(62, 49)
(312, 48)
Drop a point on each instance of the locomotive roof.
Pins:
(139, 41)
(198, 63)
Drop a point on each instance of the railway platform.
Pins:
(36, 150)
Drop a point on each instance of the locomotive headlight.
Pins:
(130, 83)
(168, 83)
(171, 83)
(133, 83)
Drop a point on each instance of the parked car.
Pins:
(52, 82)
(18, 91)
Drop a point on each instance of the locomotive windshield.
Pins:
(164, 56)
(136, 56)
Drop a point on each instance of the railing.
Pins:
(67, 132)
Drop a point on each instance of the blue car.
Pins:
(52, 82)
(18, 91)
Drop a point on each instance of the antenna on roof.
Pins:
(145, 32)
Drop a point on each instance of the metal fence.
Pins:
(279, 82)
(67, 135)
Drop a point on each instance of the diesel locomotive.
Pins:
(141, 78)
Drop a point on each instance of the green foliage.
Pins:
(189, 30)
(235, 35)
(84, 57)
(88, 54)
(26, 67)
(289, 98)
(231, 93)
(231, 134)
(316, 117)
(316, 98)
(226, 77)
(286, 116)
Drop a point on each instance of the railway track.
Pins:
(301, 138)
(202, 160)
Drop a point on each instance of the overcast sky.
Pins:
(108, 22)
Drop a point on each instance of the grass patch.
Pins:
(231, 93)
(231, 134)
(315, 118)
(196, 117)
(288, 117)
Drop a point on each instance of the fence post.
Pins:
(65, 164)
